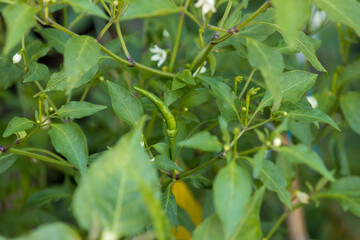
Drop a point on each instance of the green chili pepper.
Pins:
(168, 116)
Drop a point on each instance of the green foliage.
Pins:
(179, 119)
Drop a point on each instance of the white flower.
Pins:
(142, 143)
(277, 142)
(207, 6)
(302, 197)
(159, 55)
(312, 101)
(202, 70)
(16, 58)
(152, 160)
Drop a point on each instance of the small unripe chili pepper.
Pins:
(168, 116)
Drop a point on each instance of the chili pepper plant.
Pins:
(179, 119)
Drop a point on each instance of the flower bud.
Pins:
(16, 58)
(277, 142)
(302, 197)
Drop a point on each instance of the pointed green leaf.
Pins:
(6, 161)
(259, 158)
(18, 124)
(304, 44)
(161, 148)
(346, 192)
(210, 228)
(232, 190)
(293, 86)
(38, 72)
(225, 98)
(165, 163)
(81, 54)
(46, 196)
(168, 203)
(19, 19)
(79, 109)
(52, 231)
(146, 8)
(344, 11)
(273, 179)
(55, 37)
(87, 6)
(291, 16)
(203, 141)
(312, 116)
(69, 140)
(301, 154)
(118, 197)
(349, 106)
(271, 64)
(126, 106)
(57, 82)
(250, 227)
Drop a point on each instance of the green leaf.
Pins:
(203, 141)
(225, 98)
(46, 196)
(69, 140)
(293, 86)
(164, 162)
(259, 158)
(232, 190)
(6, 161)
(171, 95)
(87, 6)
(57, 82)
(249, 227)
(168, 203)
(126, 106)
(38, 72)
(312, 116)
(291, 16)
(75, 110)
(345, 11)
(161, 148)
(210, 228)
(19, 19)
(301, 154)
(119, 197)
(81, 54)
(9, 73)
(271, 64)
(304, 44)
(196, 97)
(52, 231)
(145, 8)
(345, 191)
(18, 124)
(349, 106)
(273, 179)
(56, 38)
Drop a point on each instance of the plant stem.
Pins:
(113, 55)
(280, 220)
(103, 31)
(231, 31)
(46, 152)
(39, 157)
(247, 83)
(176, 43)
(76, 20)
(197, 169)
(122, 42)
